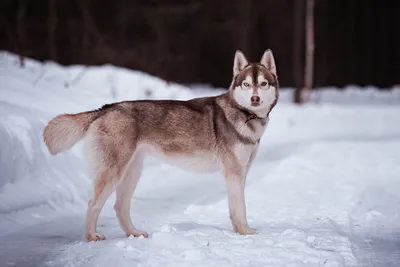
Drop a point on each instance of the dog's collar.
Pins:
(251, 116)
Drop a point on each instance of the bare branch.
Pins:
(40, 76)
(78, 77)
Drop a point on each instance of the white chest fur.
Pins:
(255, 132)
(243, 152)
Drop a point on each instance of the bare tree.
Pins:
(10, 32)
(21, 31)
(309, 68)
(302, 93)
(298, 54)
(245, 29)
(52, 25)
(89, 22)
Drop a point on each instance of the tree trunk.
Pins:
(298, 44)
(303, 89)
(245, 33)
(10, 32)
(89, 22)
(51, 30)
(21, 31)
(309, 66)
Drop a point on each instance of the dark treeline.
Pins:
(193, 41)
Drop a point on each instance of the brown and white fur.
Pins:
(203, 134)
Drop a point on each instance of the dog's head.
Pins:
(255, 85)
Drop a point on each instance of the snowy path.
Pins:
(188, 226)
(379, 250)
(323, 190)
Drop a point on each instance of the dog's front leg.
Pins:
(235, 179)
(251, 159)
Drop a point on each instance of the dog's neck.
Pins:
(251, 116)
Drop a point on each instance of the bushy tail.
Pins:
(64, 131)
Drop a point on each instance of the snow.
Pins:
(323, 190)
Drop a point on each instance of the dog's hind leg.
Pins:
(124, 194)
(111, 144)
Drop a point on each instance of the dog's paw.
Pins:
(137, 233)
(246, 231)
(95, 237)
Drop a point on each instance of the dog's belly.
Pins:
(199, 161)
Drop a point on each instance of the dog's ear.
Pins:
(268, 61)
(239, 63)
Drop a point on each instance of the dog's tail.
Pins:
(64, 131)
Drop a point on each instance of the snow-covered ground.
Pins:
(323, 191)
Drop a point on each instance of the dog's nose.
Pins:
(255, 99)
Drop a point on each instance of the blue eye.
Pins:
(245, 84)
(264, 84)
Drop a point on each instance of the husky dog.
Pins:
(203, 134)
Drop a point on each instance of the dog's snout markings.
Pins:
(225, 137)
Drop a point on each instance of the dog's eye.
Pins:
(245, 84)
(263, 84)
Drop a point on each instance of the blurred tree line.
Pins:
(193, 41)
